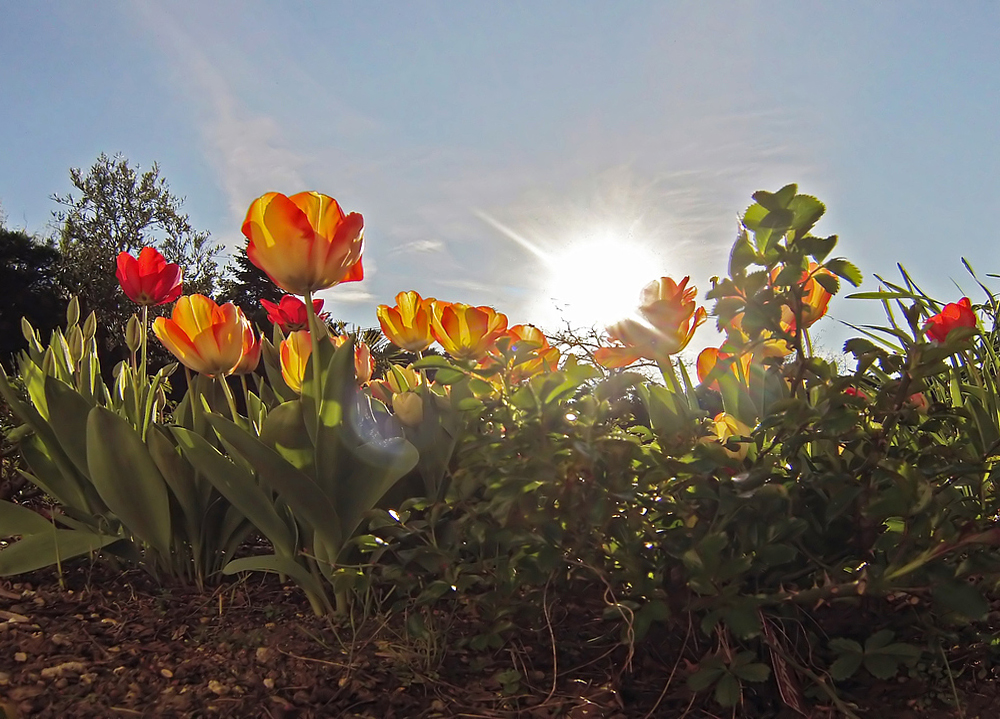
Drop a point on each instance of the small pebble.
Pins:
(20, 657)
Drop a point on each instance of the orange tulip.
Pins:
(543, 357)
(304, 242)
(364, 363)
(205, 337)
(815, 298)
(295, 351)
(667, 322)
(466, 332)
(709, 358)
(408, 324)
(251, 351)
(149, 280)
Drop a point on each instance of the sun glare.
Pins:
(597, 281)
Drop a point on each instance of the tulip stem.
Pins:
(314, 339)
(229, 398)
(145, 331)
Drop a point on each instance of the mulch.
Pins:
(97, 643)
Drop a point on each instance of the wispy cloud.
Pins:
(418, 247)
(246, 149)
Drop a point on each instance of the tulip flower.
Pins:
(304, 242)
(364, 363)
(667, 322)
(724, 427)
(149, 280)
(710, 357)
(392, 383)
(205, 337)
(408, 323)
(466, 332)
(408, 408)
(542, 357)
(251, 351)
(290, 313)
(295, 351)
(815, 298)
(954, 315)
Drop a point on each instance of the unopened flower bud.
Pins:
(133, 334)
(409, 408)
(75, 342)
(27, 330)
(90, 326)
(72, 311)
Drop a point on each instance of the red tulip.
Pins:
(954, 315)
(290, 313)
(149, 280)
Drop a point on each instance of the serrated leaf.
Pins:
(879, 639)
(881, 666)
(845, 666)
(755, 672)
(828, 282)
(705, 677)
(841, 267)
(728, 690)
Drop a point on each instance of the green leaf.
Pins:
(828, 282)
(16, 520)
(277, 565)
(127, 478)
(841, 267)
(878, 640)
(779, 200)
(881, 666)
(961, 598)
(845, 666)
(68, 419)
(807, 210)
(433, 362)
(447, 375)
(706, 676)
(311, 502)
(728, 690)
(177, 473)
(755, 672)
(239, 487)
(38, 551)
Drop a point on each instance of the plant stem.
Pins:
(229, 398)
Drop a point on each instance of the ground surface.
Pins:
(103, 645)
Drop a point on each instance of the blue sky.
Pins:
(583, 127)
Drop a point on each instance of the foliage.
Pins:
(119, 210)
(28, 274)
(493, 478)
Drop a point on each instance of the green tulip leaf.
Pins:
(239, 487)
(16, 521)
(277, 565)
(127, 478)
(44, 549)
(312, 503)
(68, 412)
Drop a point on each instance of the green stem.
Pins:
(314, 330)
(229, 399)
(669, 374)
(144, 341)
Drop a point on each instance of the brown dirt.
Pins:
(100, 644)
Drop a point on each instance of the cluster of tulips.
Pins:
(306, 243)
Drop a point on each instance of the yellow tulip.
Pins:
(304, 242)
(466, 332)
(205, 337)
(408, 408)
(408, 324)
(724, 427)
(295, 351)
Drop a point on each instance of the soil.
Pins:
(95, 643)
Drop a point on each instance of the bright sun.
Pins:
(597, 281)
